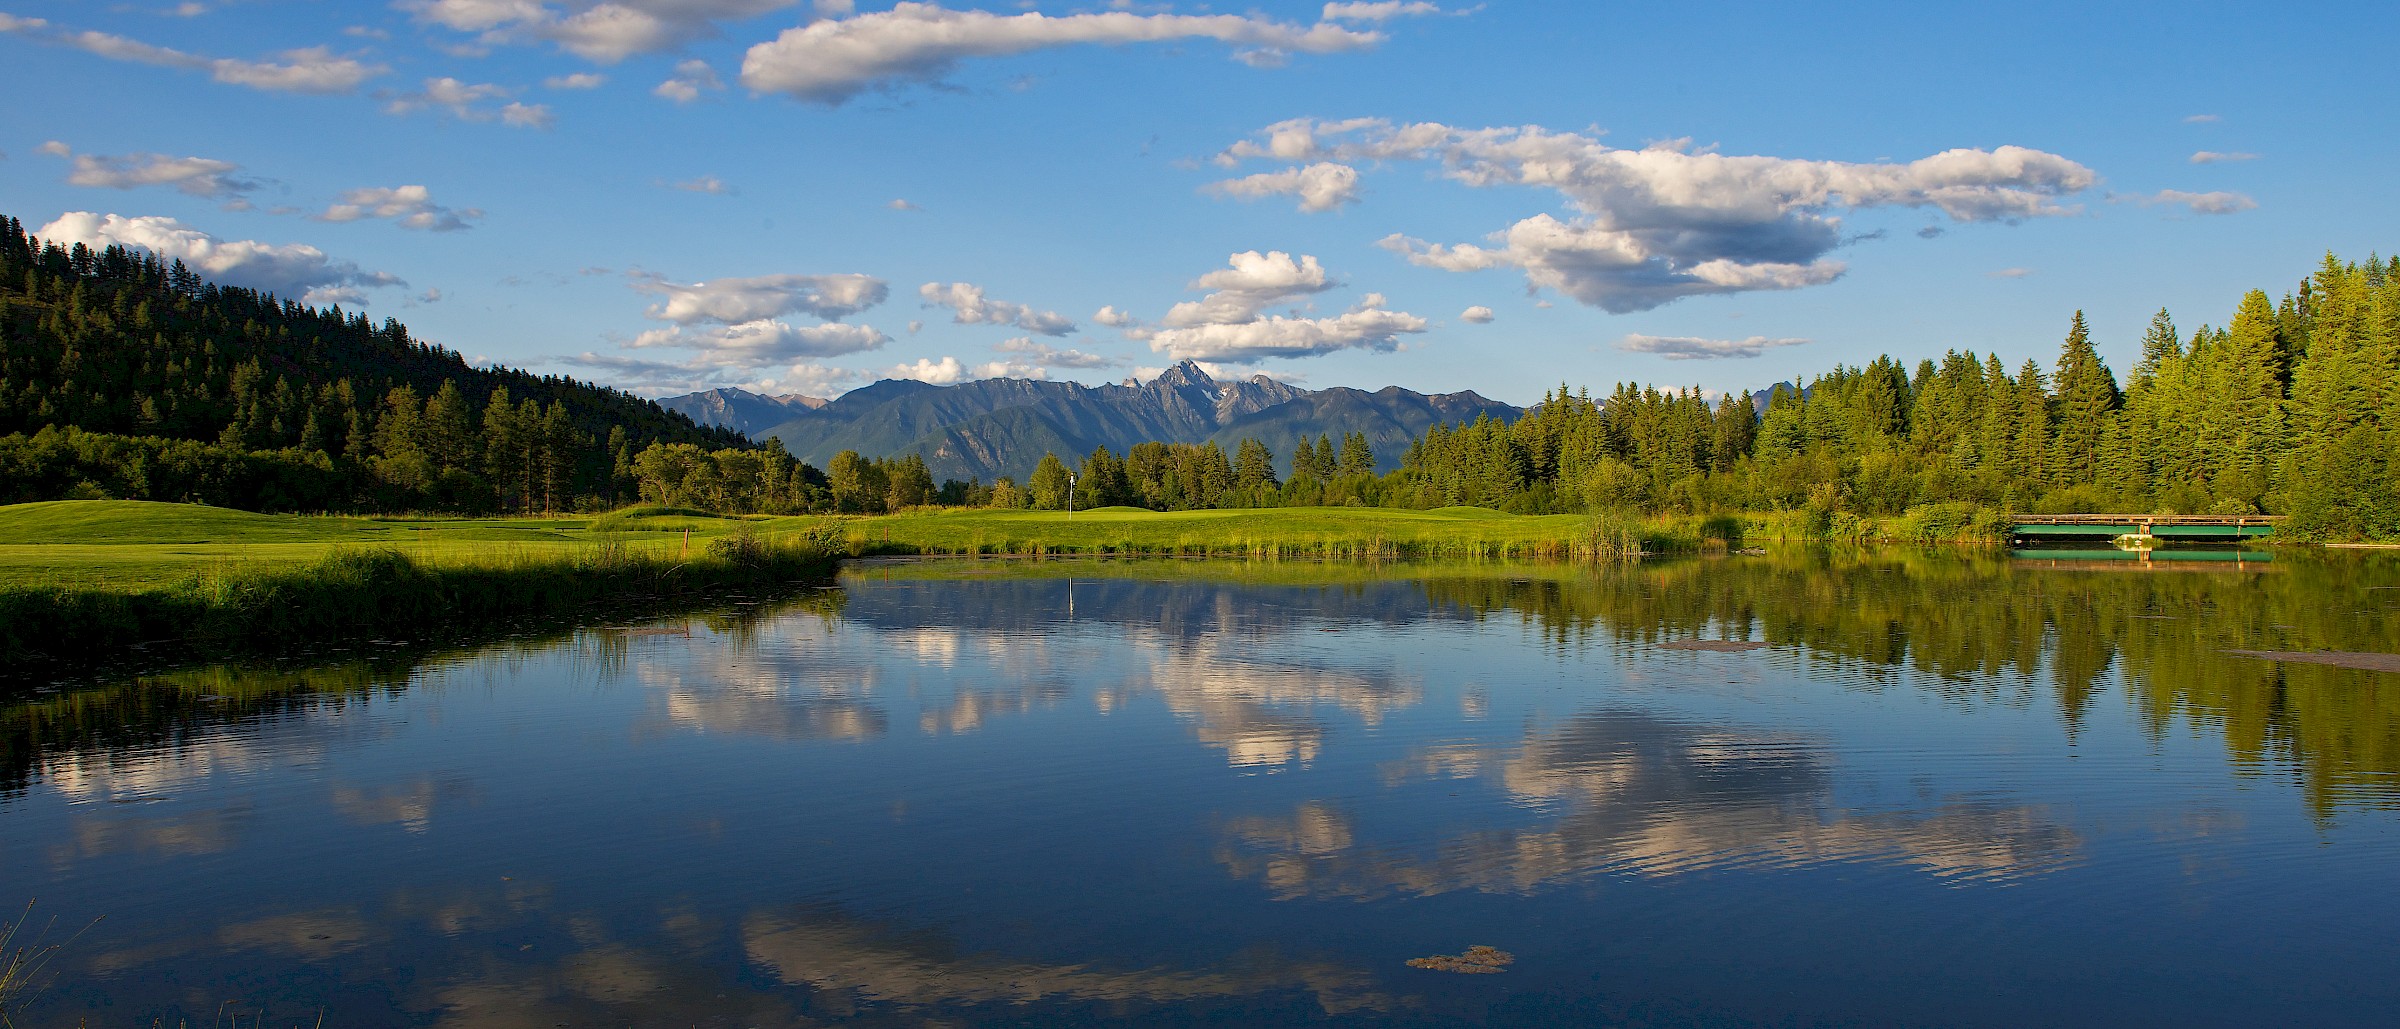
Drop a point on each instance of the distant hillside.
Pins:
(122, 376)
(112, 341)
(739, 409)
(995, 427)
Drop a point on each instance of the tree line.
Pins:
(2292, 408)
(125, 376)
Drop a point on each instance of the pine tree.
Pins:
(1048, 484)
(1254, 467)
(449, 435)
(1358, 458)
(2087, 399)
(2244, 408)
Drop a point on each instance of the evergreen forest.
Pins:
(124, 377)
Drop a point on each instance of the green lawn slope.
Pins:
(1291, 531)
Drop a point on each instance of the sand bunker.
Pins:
(1715, 646)
(1478, 960)
(2338, 658)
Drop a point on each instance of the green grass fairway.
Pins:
(1296, 531)
(138, 545)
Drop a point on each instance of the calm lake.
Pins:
(1932, 789)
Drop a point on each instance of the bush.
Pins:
(1936, 523)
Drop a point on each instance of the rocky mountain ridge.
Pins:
(994, 427)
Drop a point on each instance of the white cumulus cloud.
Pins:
(1115, 319)
(1230, 324)
(969, 306)
(1478, 314)
(1250, 283)
(755, 344)
(941, 373)
(469, 101)
(692, 80)
(314, 69)
(1364, 327)
(1323, 186)
(411, 207)
(1379, 10)
(951, 370)
(1649, 226)
(197, 176)
(832, 60)
(527, 116)
(578, 80)
(286, 269)
(1697, 348)
(606, 32)
(735, 327)
(2215, 202)
(1047, 356)
(738, 300)
(2215, 157)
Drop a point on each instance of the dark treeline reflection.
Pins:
(1978, 625)
(99, 726)
(1984, 626)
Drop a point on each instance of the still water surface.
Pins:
(1939, 790)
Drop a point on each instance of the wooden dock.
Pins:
(2180, 527)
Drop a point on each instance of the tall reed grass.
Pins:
(22, 962)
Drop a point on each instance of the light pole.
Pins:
(1070, 496)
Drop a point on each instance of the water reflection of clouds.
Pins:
(1213, 652)
(210, 831)
(1261, 713)
(87, 776)
(1644, 796)
(531, 962)
(722, 693)
(410, 805)
(873, 965)
(826, 686)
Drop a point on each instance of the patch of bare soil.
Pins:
(2338, 658)
(1478, 960)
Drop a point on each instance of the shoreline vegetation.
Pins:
(298, 597)
(124, 376)
(86, 583)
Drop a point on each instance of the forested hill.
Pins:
(269, 394)
(2291, 407)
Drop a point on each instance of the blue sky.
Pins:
(812, 194)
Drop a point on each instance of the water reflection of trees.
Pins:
(168, 726)
(1981, 627)
(1641, 795)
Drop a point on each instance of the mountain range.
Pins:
(994, 427)
(741, 410)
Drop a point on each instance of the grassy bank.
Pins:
(87, 579)
(352, 592)
(1353, 532)
(1317, 532)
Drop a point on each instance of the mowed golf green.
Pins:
(137, 545)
